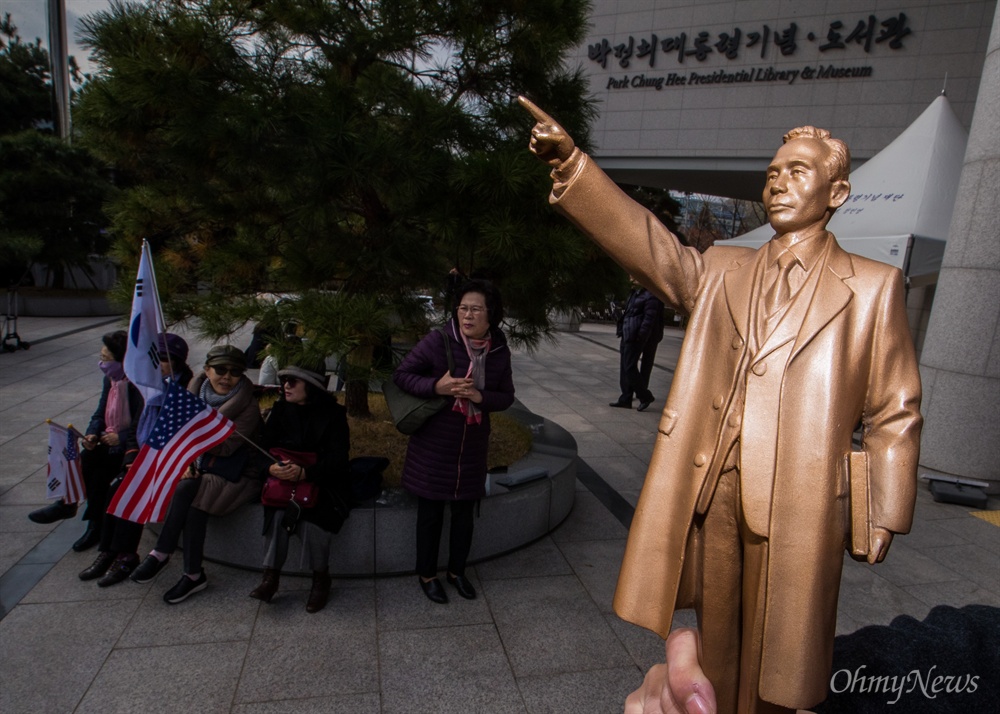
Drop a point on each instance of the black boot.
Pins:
(319, 593)
(53, 512)
(90, 537)
(268, 586)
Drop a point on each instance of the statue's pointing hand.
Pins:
(549, 141)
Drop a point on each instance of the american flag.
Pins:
(186, 428)
(63, 478)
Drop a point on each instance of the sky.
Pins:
(29, 17)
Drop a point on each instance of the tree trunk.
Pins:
(359, 365)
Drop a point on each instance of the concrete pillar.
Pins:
(960, 363)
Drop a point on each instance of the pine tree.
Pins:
(346, 153)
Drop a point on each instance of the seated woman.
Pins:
(220, 481)
(307, 433)
(109, 434)
(110, 446)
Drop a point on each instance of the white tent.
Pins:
(902, 198)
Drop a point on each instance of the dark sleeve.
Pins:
(332, 467)
(422, 368)
(127, 436)
(96, 425)
(499, 396)
(652, 309)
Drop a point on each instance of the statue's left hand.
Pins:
(881, 540)
(549, 141)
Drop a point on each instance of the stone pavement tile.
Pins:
(906, 566)
(25, 491)
(329, 653)
(971, 562)
(572, 422)
(446, 669)
(52, 652)
(551, 626)
(929, 534)
(402, 605)
(541, 558)
(622, 473)
(643, 451)
(223, 612)
(14, 519)
(598, 444)
(179, 678)
(974, 530)
(596, 563)
(367, 703)
(927, 509)
(25, 454)
(589, 520)
(869, 599)
(601, 690)
(14, 546)
(631, 496)
(630, 431)
(645, 647)
(957, 593)
(61, 583)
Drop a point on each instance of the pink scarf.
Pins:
(116, 413)
(477, 351)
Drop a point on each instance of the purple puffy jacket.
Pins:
(446, 458)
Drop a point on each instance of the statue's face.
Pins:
(799, 194)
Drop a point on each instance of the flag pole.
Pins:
(249, 441)
(161, 325)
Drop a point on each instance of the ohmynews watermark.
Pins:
(928, 684)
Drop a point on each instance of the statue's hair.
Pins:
(838, 162)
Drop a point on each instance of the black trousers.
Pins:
(183, 517)
(430, 521)
(99, 467)
(634, 376)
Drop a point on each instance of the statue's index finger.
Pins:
(540, 116)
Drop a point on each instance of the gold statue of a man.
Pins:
(754, 489)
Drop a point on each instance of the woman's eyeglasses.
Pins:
(471, 309)
(290, 381)
(223, 371)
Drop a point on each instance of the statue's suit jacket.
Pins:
(850, 361)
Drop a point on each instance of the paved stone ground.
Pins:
(541, 638)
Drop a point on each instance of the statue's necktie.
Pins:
(781, 289)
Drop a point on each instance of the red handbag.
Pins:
(279, 492)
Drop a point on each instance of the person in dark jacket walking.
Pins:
(307, 431)
(446, 457)
(641, 330)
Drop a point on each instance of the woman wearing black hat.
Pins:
(307, 433)
(110, 436)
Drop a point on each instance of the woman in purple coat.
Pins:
(446, 458)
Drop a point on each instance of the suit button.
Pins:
(734, 420)
(700, 460)
(717, 402)
(760, 368)
(737, 342)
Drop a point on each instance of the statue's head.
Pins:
(807, 180)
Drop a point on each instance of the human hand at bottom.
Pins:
(678, 686)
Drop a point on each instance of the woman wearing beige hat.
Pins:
(307, 434)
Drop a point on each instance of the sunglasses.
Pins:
(223, 371)
(290, 381)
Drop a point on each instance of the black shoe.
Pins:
(99, 566)
(119, 570)
(185, 588)
(53, 512)
(434, 591)
(621, 405)
(463, 586)
(148, 569)
(643, 406)
(90, 537)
